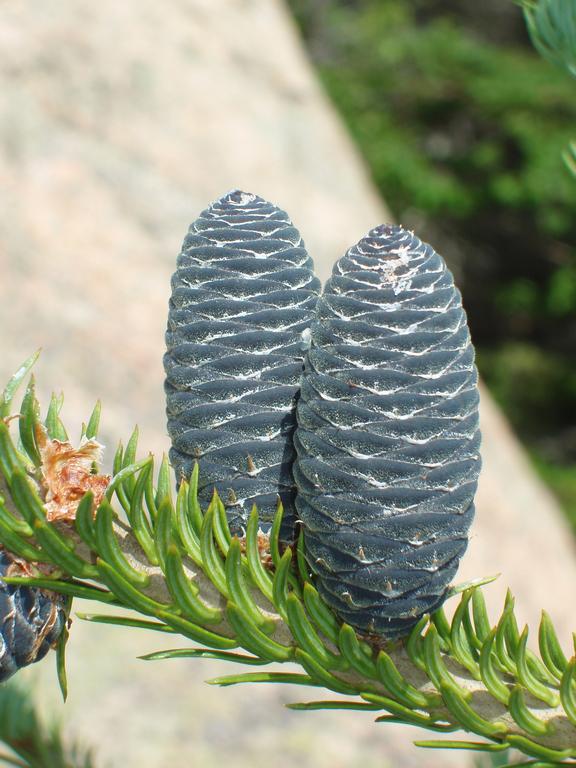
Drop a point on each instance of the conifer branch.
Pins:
(552, 28)
(177, 566)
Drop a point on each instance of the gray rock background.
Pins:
(119, 122)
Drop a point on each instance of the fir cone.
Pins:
(243, 297)
(31, 621)
(387, 438)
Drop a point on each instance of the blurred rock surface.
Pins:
(119, 122)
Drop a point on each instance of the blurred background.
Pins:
(119, 122)
(462, 126)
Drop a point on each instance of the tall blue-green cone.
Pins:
(387, 438)
(243, 297)
(31, 621)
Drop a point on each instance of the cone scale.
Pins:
(388, 438)
(243, 297)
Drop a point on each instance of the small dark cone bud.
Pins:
(387, 439)
(243, 297)
(31, 621)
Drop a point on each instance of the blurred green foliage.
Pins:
(560, 478)
(521, 377)
(450, 124)
(463, 126)
(26, 741)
